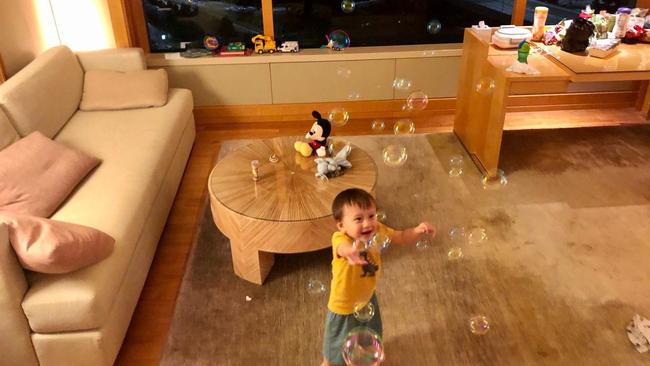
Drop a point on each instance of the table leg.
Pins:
(489, 153)
(645, 104)
(249, 263)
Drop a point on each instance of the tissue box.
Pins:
(603, 48)
(483, 33)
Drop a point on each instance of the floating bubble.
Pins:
(457, 234)
(347, 6)
(485, 86)
(339, 117)
(434, 26)
(456, 164)
(395, 155)
(364, 311)
(377, 125)
(479, 324)
(379, 240)
(363, 347)
(455, 253)
(477, 235)
(335, 145)
(425, 241)
(381, 216)
(428, 53)
(354, 96)
(417, 101)
(339, 39)
(315, 287)
(404, 127)
(402, 84)
(494, 183)
(343, 72)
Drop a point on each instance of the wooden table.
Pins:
(480, 114)
(288, 210)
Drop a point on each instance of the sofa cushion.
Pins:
(51, 246)
(37, 174)
(27, 97)
(136, 147)
(8, 134)
(107, 90)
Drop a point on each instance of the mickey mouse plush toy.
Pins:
(317, 137)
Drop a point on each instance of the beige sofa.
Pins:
(81, 318)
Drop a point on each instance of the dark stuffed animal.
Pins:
(317, 137)
(577, 36)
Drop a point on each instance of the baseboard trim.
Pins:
(270, 113)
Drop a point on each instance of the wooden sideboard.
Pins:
(484, 86)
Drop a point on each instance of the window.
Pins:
(384, 22)
(569, 9)
(173, 25)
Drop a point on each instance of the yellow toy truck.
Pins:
(263, 43)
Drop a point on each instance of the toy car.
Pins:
(236, 46)
(289, 46)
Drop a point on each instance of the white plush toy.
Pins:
(333, 167)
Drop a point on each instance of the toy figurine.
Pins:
(317, 137)
(332, 167)
(522, 52)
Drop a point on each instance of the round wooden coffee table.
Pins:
(288, 210)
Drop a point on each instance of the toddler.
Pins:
(355, 269)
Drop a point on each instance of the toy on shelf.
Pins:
(521, 66)
(333, 167)
(317, 137)
(211, 43)
(234, 49)
(337, 40)
(263, 44)
(577, 36)
(289, 46)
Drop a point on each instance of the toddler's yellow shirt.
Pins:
(349, 286)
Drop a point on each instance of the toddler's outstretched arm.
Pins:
(411, 236)
(351, 252)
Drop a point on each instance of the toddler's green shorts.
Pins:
(338, 326)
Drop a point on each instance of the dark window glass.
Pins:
(172, 23)
(569, 9)
(384, 22)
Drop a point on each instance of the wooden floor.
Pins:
(147, 333)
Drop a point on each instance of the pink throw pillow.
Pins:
(37, 174)
(50, 246)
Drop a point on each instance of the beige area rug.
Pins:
(565, 267)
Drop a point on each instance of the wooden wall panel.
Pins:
(436, 76)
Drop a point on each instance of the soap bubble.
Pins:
(477, 235)
(425, 241)
(479, 324)
(377, 125)
(315, 287)
(434, 26)
(363, 347)
(335, 145)
(485, 86)
(455, 253)
(494, 183)
(354, 96)
(381, 216)
(401, 84)
(347, 6)
(364, 311)
(379, 240)
(395, 155)
(456, 164)
(428, 53)
(340, 39)
(343, 72)
(457, 234)
(339, 117)
(403, 127)
(417, 101)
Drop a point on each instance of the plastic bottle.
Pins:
(622, 18)
(541, 12)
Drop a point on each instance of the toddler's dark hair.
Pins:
(351, 197)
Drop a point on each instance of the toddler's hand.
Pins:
(425, 227)
(354, 256)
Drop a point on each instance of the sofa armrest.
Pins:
(15, 335)
(114, 59)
